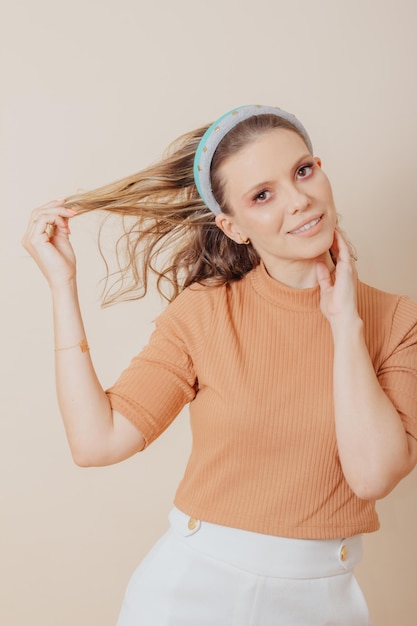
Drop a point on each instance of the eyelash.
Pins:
(307, 166)
(256, 196)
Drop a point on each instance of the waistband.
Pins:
(267, 555)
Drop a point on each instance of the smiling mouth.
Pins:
(305, 226)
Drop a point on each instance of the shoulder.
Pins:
(369, 297)
(200, 297)
(200, 307)
(195, 299)
(398, 311)
(192, 312)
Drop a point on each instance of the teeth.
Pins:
(306, 226)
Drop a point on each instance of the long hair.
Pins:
(167, 231)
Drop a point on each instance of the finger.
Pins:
(57, 215)
(49, 205)
(323, 276)
(52, 211)
(345, 251)
(50, 230)
(334, 247)
(48, 224)
(58, 227)
(52, 203)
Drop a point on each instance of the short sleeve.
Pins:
(158, 383)
(397, 374)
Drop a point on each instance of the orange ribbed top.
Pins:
(254, 359)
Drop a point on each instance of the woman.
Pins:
(302, 381)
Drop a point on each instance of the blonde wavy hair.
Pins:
(167, 231)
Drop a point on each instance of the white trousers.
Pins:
(202, 574)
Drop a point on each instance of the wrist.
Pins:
(347, 328)
(65, 289)
(81, 345)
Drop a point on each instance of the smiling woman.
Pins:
(275, 194)
(301, 380)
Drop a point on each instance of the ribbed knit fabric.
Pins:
(254, 359)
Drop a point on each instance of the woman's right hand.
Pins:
(47, 241)
(96, 434)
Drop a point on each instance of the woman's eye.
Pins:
(305, 171)
(262, 196)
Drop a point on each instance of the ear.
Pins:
(318, 161)
(227, 225)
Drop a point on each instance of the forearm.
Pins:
(96, 434)
(83, 403)
(372, 442)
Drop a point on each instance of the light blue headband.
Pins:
(217, 131)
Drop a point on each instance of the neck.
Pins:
(298, 274)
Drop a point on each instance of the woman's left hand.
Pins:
(338, 298)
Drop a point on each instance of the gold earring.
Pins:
(245, 241)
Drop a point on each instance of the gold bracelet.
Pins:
(82, 345)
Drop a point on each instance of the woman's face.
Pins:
(280, 199)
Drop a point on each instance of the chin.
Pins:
(329, 239)
(323, 254)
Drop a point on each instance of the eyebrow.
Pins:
(268, 183)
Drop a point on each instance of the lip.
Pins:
(304, 223)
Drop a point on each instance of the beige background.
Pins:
(92, 90)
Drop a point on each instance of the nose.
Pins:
(296, 199)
